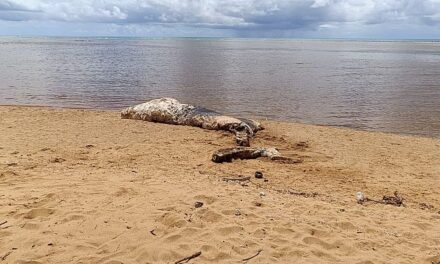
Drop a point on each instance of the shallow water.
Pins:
(380, 86)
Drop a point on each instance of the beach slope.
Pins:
(84, 186)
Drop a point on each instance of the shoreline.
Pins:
(258, 119)
(370, 40)
(81, 185)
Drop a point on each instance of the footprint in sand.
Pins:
(297, 253)
(172, 238)
(172, 220)
(125, 191)
(324, 255)
(209, 216)
(346, 226)
(189, 232)
(365, 262)
(72, 217)
(7, 174)
(46, 149)
(114, 262)
(38, 212)
(206, 199)
(318, 242)
(337, 245)
(434, 259)
(423, 225)
(31, 226)
(221, 257)
(229, 212)
(57, 160)
(286, 232)
(226, 231)
(318, 233)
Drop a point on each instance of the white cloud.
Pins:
(227, 14)
(320, 3)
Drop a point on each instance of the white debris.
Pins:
(360, 197)
(270, 152)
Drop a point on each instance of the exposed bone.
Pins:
(171, 111)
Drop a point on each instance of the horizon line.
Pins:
(220, 37)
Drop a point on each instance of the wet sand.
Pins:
(84, 186)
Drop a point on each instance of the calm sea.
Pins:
(381, 86)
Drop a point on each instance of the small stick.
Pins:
(6, 255)
(374, 201)
(379, 202)
(152, 232)
(303, 193)
(258, 253)
(237, 179)
(390, 201)
(185, 260)
(2, 223)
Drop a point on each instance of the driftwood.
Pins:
(395, 200)
(237, 179)
(304, 194)
(171, 111)
(186, 259)
(230, 154)
(258, 253)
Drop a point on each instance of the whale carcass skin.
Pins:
(171, 111)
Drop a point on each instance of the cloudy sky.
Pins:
(383, 19)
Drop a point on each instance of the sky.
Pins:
(358, 19)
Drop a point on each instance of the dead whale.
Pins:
(230, 154)
(171, 111)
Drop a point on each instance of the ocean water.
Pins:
(379, 86)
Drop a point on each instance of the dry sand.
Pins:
(81, 186)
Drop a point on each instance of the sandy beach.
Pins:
(85, 186)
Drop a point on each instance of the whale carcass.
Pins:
(171, 111)
(230, 154)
